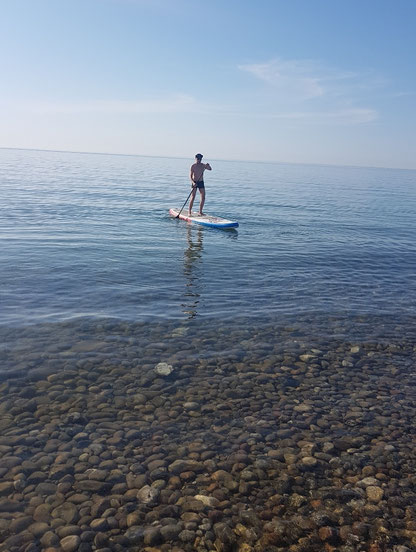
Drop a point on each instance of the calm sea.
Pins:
(87, 239)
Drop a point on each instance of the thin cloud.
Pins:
(291, 77)
(401, 94)
(302, 79)
(180, 103)
(329, 95)
(343, 116)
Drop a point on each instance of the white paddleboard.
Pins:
(205, 220)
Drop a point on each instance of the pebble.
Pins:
(374, 494)
(278, 444)
(309, 462)
(70, 543)
(147, 494)
(210, 501)
(163, 369)
(152, 536)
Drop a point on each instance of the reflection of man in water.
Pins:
(197, 181)
(192, 257)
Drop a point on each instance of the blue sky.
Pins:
(299, 81)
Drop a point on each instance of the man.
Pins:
(197, 181)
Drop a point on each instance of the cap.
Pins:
(199, 156)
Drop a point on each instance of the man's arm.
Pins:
(208, 167)
(191, 175)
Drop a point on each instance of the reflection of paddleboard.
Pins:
(205, 220)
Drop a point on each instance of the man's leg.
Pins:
(192, 200)
(201, 204)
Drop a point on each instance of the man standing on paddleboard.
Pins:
(197, 181)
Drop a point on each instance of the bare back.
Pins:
(197, 171)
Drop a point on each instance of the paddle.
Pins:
(193, 187)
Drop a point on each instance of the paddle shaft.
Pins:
(177, 216)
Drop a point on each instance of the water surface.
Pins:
(89, 236)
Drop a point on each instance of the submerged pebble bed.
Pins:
(176, 437)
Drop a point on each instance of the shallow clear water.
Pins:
(90, 236)
(289, 344)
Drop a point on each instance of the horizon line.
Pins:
(215, 159)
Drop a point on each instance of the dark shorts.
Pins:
(200, 184)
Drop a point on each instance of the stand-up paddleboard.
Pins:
(205, 220)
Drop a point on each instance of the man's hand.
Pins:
(208, 166)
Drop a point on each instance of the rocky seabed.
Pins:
(278, 446)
